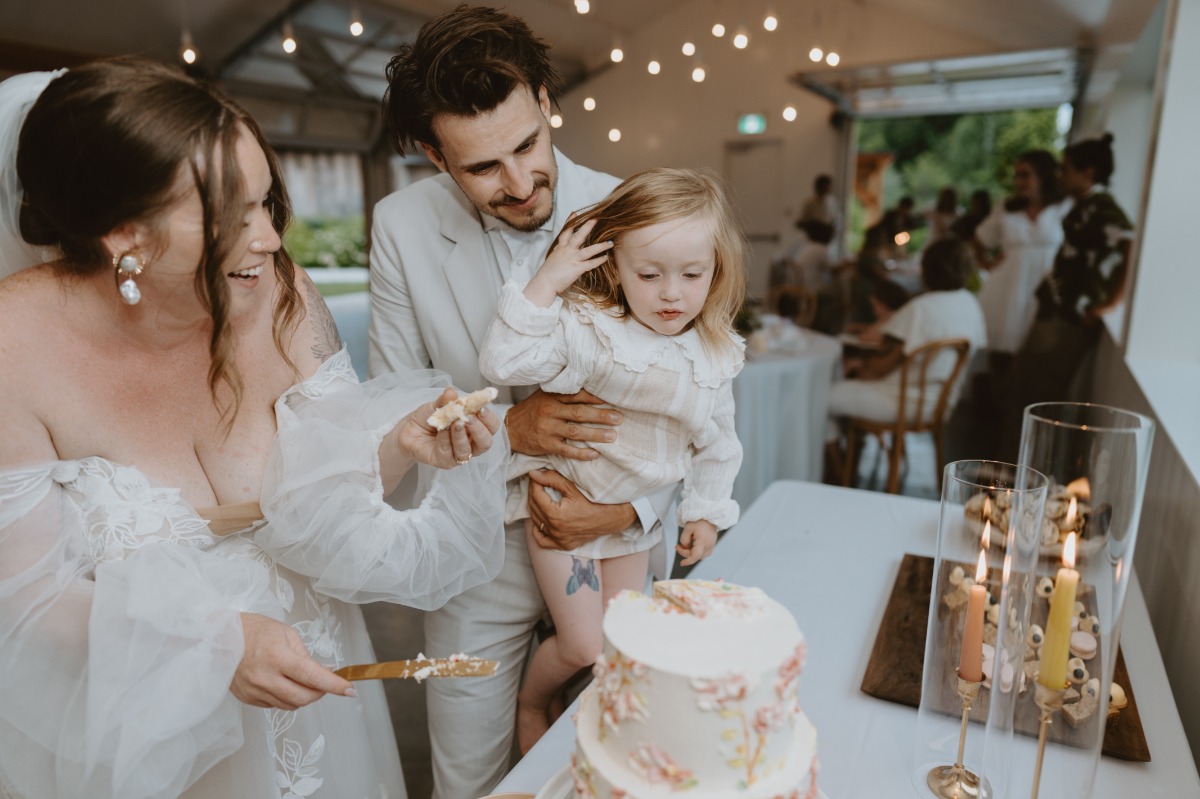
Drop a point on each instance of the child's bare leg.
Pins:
(616, 575)
(571, 587)
(622, 573)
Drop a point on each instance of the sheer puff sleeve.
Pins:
(323, 496)
(119, 635)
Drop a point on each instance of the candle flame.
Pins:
(1007, 569)
(981, 569)
(903, 238)
(1069, 552)
(1081, 488)
(987, 506)
(1072, 512)
(987, 535)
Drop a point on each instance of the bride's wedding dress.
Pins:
(119, 625)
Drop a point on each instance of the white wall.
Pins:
(1163, 319)
(1158, 373)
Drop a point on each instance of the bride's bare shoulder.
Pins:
(35, 284)
(31, 304)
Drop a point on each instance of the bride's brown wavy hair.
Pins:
(103, 146)
(661, 195)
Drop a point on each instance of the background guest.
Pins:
(947, 310)
(1086, 281)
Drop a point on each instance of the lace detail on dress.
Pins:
(122, 510)
(338, 369)
(296, 773)
(637, 347)
(322, 632)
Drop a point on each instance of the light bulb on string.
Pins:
(583, 6)
(816, 54)
(556, 120)
(589, 104)
(770, 21)
(187, 50)
(698, 74)
(289, 38)
(356, 25)
(789, 114)
(718, 30)
(688, 49)
(617, 55)
(741, 39)
(832, 59)
(654, 67)
(614, 135)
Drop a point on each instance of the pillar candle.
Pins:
(970, 660)
(1052, 669)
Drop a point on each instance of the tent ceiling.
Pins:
(239, 40)
(1041, 78)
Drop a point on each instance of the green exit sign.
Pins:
(752, 124)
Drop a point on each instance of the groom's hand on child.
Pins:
(572, 520)
(547, 424)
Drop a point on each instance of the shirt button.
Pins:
(520, 262)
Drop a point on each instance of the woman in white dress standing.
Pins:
(191, 477)
(1015, 245)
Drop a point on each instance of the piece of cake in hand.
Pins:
(462, 408)
(696, 691)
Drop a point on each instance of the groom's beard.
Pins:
(528, 219)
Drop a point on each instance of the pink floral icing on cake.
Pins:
(652, 763)
(617, 680)
(726, 695)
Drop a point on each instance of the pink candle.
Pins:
(970, 661)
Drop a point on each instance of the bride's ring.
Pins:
(464, 461)
(541, 527)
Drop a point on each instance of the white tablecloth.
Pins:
(831, 556)
(782, 401)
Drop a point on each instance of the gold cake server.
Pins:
(420, 668)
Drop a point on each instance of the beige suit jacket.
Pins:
(435, 287)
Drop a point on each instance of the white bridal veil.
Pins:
(17, 95)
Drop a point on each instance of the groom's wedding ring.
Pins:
(541, 527)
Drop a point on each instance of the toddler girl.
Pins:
(634, 303)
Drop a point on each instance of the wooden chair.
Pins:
(803, 304)
(912, 416)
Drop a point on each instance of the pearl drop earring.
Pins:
(128, 265)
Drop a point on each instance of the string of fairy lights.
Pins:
(822, 16)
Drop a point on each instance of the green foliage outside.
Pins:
(327, 242)
(965, 151)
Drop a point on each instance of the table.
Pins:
(782, 402)
(815, 548)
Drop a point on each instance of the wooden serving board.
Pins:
(898, 658)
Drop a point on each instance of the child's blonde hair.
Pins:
(660, 195)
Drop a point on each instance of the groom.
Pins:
(473, 92)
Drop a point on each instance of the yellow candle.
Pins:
(970, 659)
(1052, 670)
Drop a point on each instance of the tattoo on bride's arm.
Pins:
(326, 341)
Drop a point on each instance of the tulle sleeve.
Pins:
(323, 496)
(114, 678)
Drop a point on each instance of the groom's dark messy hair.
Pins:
(464, 62)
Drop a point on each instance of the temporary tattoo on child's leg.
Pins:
(583, 572)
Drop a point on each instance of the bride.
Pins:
(191, 479)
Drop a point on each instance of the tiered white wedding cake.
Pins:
(696, 693)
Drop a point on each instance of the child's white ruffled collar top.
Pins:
(637, 347)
